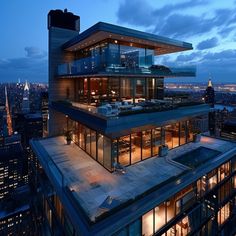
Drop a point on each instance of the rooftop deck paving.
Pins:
(92, 185)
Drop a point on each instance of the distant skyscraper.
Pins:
(45, 113)
(11, 168)
(26, 102)
(8, 115)
(210, 94)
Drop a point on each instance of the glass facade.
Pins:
(97, 91)
(116, 54)
(193, 210)
(131, 148)
(118, 57)
(109, 55)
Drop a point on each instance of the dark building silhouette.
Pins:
(210, 94)
(11, 168)
(63, 19)
(15, 214)
(29, 126)
(218, 120)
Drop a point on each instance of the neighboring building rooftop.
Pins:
(95, 189)
(102, 31)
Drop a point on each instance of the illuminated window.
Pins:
(223, 214)
(147, 224)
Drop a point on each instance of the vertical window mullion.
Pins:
(130, 149)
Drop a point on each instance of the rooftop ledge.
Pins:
(99, 193)
(101, 31)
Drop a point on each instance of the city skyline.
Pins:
(207, 24)
(102, 131)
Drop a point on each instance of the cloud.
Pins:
(141, 13)
(33, 67)
(178, 25)
(220, 64)
(224, 32)
(169, 9)
(190, 58)
(209, 43)
(223, 55)
(223, 16)
(175, 20)
(35, 52)
(138, 12)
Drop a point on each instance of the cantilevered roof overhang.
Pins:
(102, 31)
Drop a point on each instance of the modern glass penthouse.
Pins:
(132, 168)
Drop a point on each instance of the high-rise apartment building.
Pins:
(15, 214)
(45, 112)
(11, 167)
(136, 165)
(26, 102)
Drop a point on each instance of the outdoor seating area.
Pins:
(126, 107)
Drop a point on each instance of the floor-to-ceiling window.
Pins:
(87, 140)
(114, 89)
(146, 144)
(95, 144)
(98, 90)
(100, 148)
(107, 153)
(172, 135)
(140, 90)
(182, 132)
(124, 150)
(126, 89)
(131, 148)
(160, 88)
(136, 147)
(151, 88)
(189, 131)
(156, 140)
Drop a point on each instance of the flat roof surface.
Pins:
(101, 31)
(92, 185)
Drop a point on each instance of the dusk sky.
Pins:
(210, 25)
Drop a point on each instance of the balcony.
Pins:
(95, 66)
(124, 122)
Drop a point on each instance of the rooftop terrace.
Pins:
(122, 124)
(98, 191)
